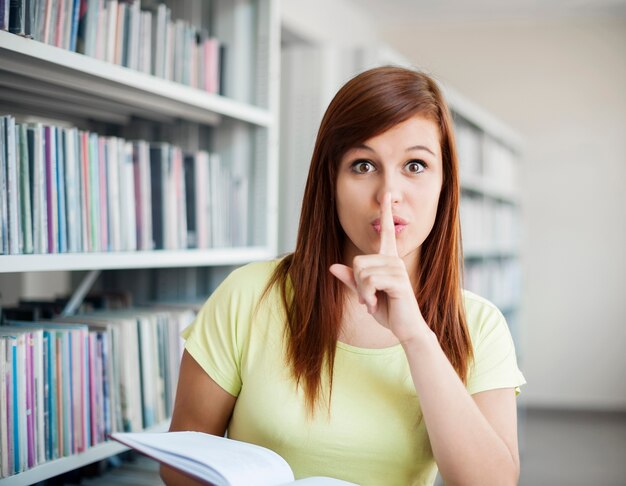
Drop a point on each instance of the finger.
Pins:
(345, 274)
(387, 228)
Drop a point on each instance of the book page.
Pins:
(321, 481)
(215, 459)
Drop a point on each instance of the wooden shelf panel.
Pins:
(60, 68)
(132, 259)
(59, 466)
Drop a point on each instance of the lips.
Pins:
(398, 223)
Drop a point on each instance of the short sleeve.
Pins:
(214, 338)
(495, 361)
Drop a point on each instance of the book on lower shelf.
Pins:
(66, 384)
(218, 460)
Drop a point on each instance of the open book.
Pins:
(217, 460)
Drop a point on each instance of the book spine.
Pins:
(138, 194)
(105, 342)
(60, 23)
(146, 196)
(14, 448)
(72, 190)
(92, 364)
(55, 398)
(67, 408)
(16, 17)
(3, 405)
(102, 204)
(12, 186)
(113, 199)
(111, 27)
(62, 214)
(47, 430)
(30, 400)
(39, 396)
(40, 189)
(84, 190)
(49, 206)
(22, 381)
(73, 42)
(94, 192)
(19, 150)
(25, 161)
(4, 217)
(3, 25)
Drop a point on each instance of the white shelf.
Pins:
(490, 252)
(493, 190)
(133, 259)
(145, 93)
(65, 464)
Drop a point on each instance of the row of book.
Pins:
(140, 35)
(499, 280)
(481, 155)
(69, 190)
(489, 226)
(65, 384)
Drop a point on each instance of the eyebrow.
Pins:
(414, 147)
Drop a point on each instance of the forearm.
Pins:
(465, 446)
(171, 477)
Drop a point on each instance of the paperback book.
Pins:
(217, 460)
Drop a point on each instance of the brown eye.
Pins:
(415, 166)
(362, 166)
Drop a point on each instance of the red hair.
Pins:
(366, 106)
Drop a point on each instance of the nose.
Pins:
(389, 183)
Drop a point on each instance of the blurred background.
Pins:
(538, 92)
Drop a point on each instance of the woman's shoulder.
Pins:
(251, 274)
(247, 282)
(481, 314)
(476, 302)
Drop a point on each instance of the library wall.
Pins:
(561, 84)
(338, 22)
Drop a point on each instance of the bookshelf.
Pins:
(41, 82)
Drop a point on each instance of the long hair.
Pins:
(366, 106)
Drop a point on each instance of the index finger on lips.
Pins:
(387, 229)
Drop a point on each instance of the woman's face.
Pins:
(405, 161)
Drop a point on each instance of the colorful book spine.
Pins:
(103, 189)
(12, 188)
(51, 189)
(4, 215)
(94, 190)
(62, 214)
(39, 189)
(93, 369)
(72, 189)
(14, 446)
(47, 389)
(25, 163)
(85, 192)
(74, 25)
(30, 399)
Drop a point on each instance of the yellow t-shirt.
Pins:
(374, 434)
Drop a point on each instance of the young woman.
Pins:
(359, 356)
